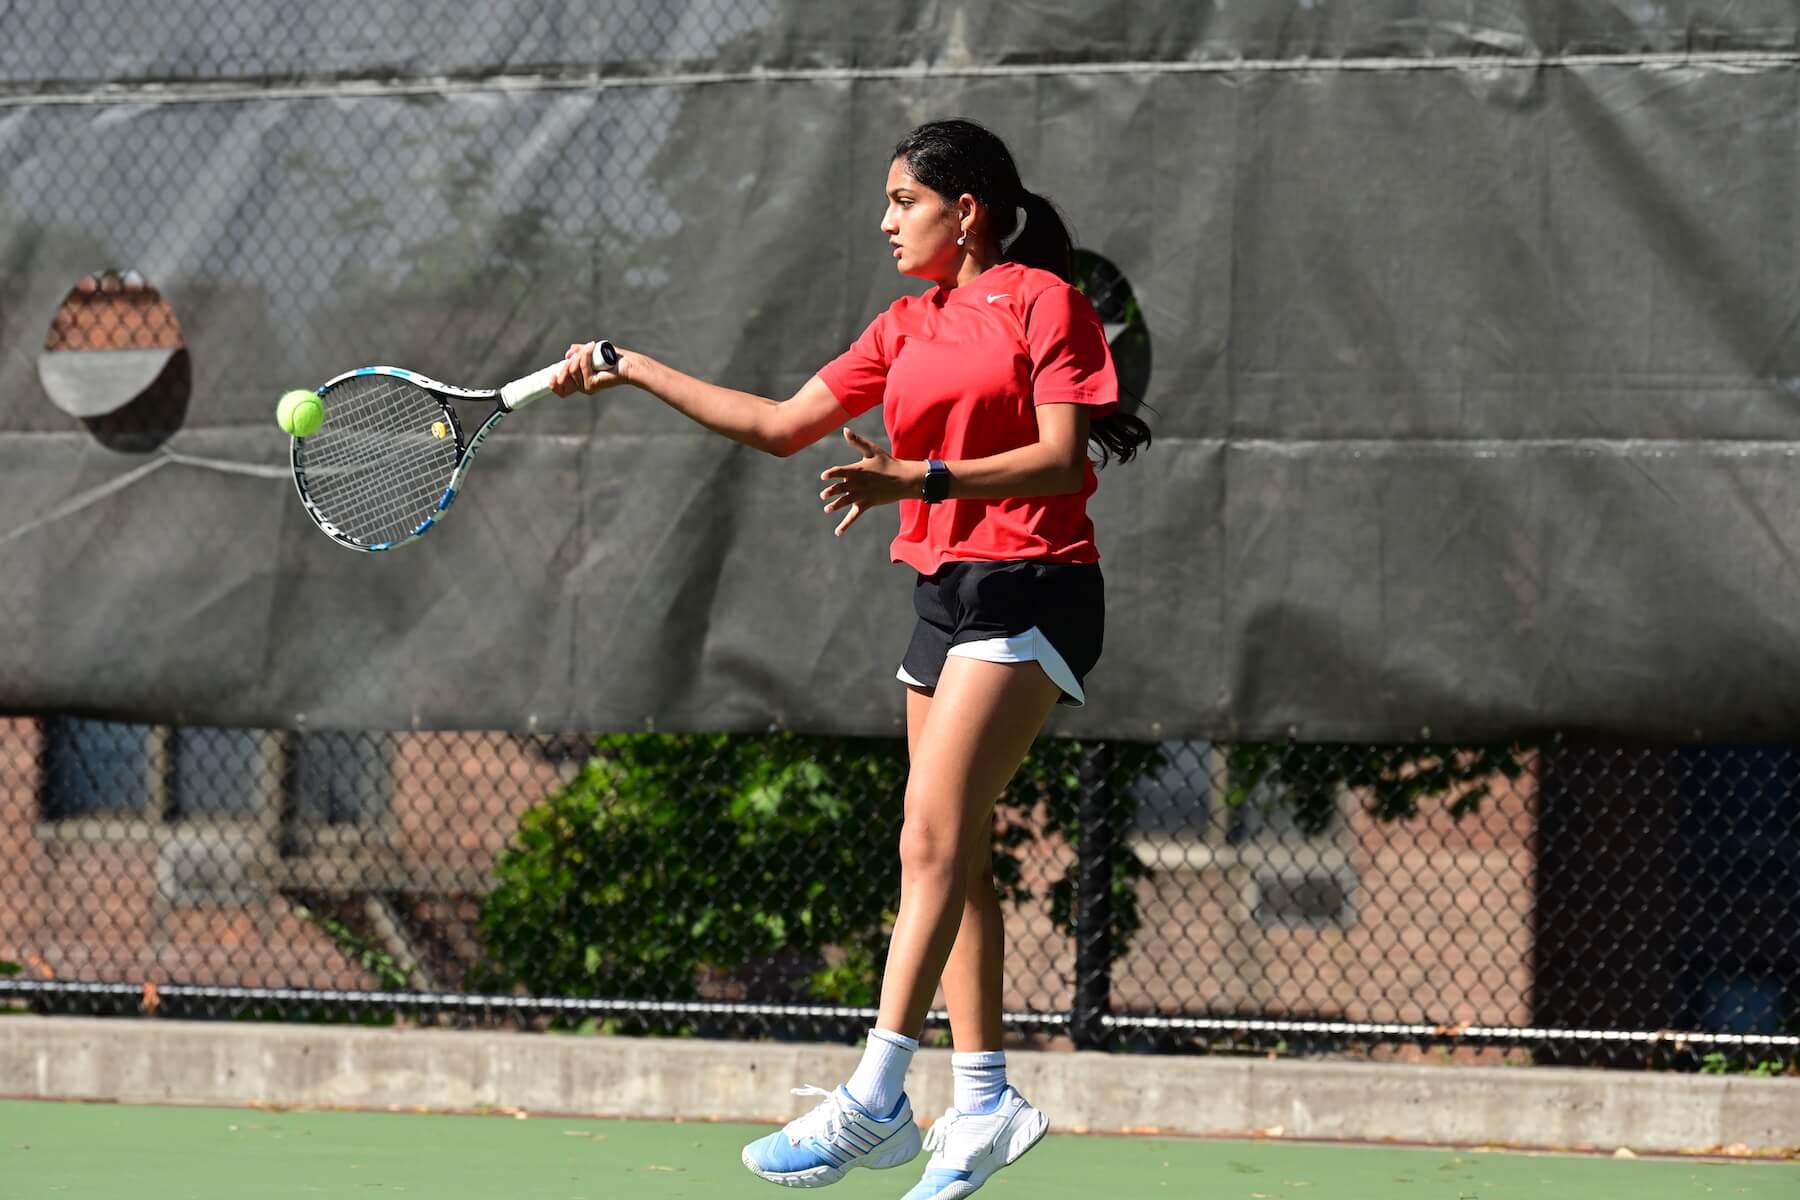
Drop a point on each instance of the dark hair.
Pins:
(957, 156)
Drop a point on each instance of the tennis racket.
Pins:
(392, 454)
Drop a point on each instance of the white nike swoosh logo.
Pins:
(993, 296)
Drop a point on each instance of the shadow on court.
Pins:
(132, 1152)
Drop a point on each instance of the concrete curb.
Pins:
(183, 1062)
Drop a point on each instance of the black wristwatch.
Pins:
(937, 480)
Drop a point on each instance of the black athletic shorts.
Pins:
(1050, 613)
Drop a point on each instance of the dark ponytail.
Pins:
(1120, 433)
(959, 156)
(1044, 242)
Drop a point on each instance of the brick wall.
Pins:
(1446, 904)
(91, 899)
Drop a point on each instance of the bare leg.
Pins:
(982, 720)
(974, 975)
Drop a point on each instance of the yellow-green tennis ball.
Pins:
(300, 412)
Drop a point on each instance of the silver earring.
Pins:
(963, 238)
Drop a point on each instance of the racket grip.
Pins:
(536, 386)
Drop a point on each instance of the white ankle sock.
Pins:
(880, 1077)
(979, 1079)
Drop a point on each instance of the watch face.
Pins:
(937, 481)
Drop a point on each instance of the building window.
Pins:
(221, 773)
(98, 769)
(340, 778)
(186, 775)
(1292, 877)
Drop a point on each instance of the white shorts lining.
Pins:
(1030, 646)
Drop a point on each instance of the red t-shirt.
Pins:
(961, 373)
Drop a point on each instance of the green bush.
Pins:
(671, 855)
(1720, 1063)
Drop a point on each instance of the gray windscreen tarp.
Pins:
(1472, 326)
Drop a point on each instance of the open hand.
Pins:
(879, 478)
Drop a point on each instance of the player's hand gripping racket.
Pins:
(391, 455)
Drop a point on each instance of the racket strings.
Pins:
(376, 470)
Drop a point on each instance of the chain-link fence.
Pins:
(1572, 902)
(202, 207)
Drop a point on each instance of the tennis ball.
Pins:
(300, 412)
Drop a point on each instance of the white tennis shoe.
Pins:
(967, 1148)
(817, 1149)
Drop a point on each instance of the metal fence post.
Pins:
(1093, 893)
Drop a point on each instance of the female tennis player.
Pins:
(993, 385)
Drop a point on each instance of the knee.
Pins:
(928, 848)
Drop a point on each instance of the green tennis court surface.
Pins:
(124, 1152)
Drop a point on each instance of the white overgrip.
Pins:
(536, 386)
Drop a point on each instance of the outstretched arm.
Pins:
(774, 427)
